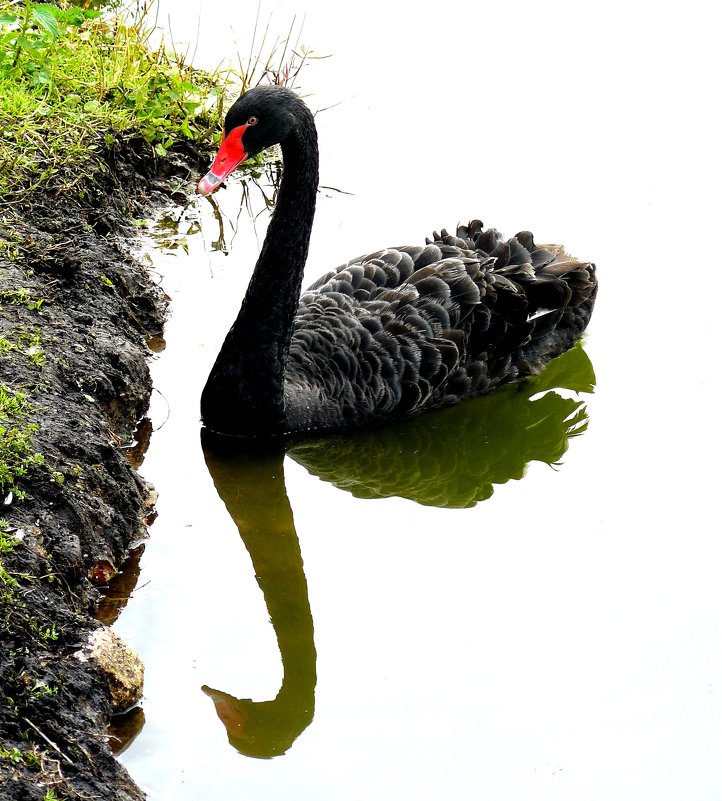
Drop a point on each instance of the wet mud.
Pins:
(85, 507)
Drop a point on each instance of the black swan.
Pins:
(389, 334)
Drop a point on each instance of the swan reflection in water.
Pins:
(450, 458)
(251, 483)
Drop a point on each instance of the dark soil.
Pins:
(86, 507)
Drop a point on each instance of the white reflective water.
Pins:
(562, 638)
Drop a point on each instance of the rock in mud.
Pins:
(118, 664)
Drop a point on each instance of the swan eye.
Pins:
(252, 120)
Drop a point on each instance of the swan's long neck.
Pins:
(244, 392)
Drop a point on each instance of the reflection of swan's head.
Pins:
(229, 711)
(258, 728)
(249, 478)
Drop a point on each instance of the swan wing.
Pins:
(413, 327)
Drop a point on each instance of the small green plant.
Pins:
(33, 347)
(16, 451)
(11, 754)
(7, 541)
(7, 583)
(44, 631)
(27, 343)
(29, 758)
(41, 688)
(20, 297)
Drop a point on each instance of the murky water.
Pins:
(516, 598)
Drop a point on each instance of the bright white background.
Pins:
(563, 639)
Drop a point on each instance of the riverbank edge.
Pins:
(85, 507)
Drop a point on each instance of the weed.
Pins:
(7, 542)
(33, 348)
(43, 631)
(27, 343)
(20, 297)
(16, 452)
(41, 688)
(8, 583)
(18, 757)
(11, 754)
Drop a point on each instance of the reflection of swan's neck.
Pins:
(253, 490)
(273, 546)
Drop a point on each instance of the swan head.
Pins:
(263, 116)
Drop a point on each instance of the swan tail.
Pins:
(560, 291)
(556, 329)
(554, 292)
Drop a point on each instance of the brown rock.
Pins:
(118, 664)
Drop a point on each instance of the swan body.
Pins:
(389, 334)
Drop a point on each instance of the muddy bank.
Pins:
(86, 377)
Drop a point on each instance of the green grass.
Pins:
(74, 83)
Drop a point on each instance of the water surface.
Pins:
(515, 599)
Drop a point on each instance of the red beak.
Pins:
(230, 154)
